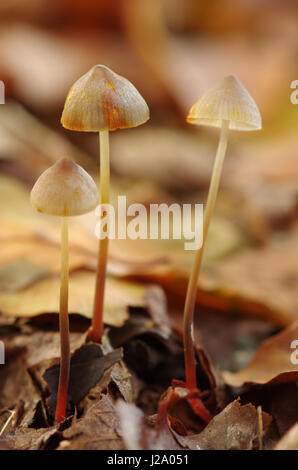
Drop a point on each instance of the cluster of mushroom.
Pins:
(102, 101)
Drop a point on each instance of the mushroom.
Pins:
(65, 189)
(228, 106)
(102, 101)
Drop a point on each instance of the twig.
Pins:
(260, 422)
(12, 413)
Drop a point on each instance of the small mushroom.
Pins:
(228, 106)
(102, 101)
(63, 190)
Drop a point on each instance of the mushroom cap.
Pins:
(64, 189)
(229, 101)
(103, 100)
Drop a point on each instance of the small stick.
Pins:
(64, 327)
(7, 421)
(260, 423)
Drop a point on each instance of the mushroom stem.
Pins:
(188, 336)
(64, 327)
(97, 320)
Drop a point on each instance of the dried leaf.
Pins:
(235, 428)
(271, 364)
(87, 367)
(97, 430)
(43, 297)
(19, 274)
(259, 281)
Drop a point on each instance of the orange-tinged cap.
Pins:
(103, 100)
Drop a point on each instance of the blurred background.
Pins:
(172, 51)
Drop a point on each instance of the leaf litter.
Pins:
(148, 375)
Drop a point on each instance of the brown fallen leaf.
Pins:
(87, 367)
(271, 364)
(16, 385)
(235, 428)
(284, 407)
(43, 296)
(25, 261)
(37, 345)
(97, 430)
(26, 438)
(16, 275)
(263, 281)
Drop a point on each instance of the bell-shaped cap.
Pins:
(229, 101)
(64, 189)
(102, 100)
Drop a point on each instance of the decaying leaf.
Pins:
(97, 430)
(235, 428)
(26, 438)
(272, 363)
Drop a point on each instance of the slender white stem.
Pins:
(97, 320)
(64, 327)
(189, 354)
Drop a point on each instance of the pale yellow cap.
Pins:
(64, 189)
(102, 100)
(229, 101)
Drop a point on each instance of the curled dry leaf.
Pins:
(271, 364)
(184, 408)
(235, 428)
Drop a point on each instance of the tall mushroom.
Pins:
(63, 190)
(102, 101)
(227, 106)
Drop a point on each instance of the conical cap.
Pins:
(64, 189)
(103, 100)
(229, 101)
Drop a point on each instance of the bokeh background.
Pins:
(172, 51)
